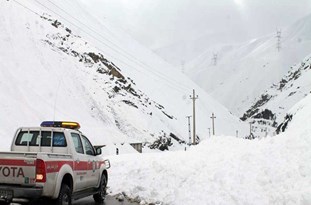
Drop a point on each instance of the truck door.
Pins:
(80, 165)
(93, 168)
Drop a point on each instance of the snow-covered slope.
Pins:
(300, 119)
(58, 62)
(272, 106)
(271, 171)
(243, 72)
(185, 51)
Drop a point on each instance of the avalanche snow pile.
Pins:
(273, 170)
(237, 74)
(60, 62)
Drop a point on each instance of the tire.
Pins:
(101, 195)
(64, 197)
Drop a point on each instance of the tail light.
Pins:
(40, 171)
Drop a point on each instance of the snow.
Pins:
(245, 71)
(279, 98)
(224, 170)
(41, 79)
(293, 91)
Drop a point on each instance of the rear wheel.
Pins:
(101, 195)
(64, 197)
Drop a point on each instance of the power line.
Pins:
(177, 85)
(26, 7)
(158, 74)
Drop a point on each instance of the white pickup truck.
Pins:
(54, 161)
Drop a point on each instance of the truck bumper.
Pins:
(19, 192)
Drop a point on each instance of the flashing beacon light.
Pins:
(63, 124)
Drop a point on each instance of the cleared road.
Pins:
(110, 200)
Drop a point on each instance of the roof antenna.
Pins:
(56, 99)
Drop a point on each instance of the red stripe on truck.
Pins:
(16, 162)
(54, 166)
(82, 165)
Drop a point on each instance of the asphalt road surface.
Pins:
(110, 200)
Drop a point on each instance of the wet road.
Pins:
(110, 200)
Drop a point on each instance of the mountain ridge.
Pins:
(250, 68)
(51, 70)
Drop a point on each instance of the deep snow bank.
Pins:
(225, 170)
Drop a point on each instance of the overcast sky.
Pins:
(157, 23)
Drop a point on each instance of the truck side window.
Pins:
(25, 137)
(59, 139)
(89, 150)
(77, 142)
(45, 139)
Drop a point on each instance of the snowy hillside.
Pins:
(185, 51)
(240, 73)
(59, 62)
(300, 117)
(271, 107)
(270, 171)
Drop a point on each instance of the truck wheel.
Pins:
(64, 197)
(101, 195)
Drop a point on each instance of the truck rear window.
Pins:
(32, 138)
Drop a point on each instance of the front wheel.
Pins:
(101, 195)
(64, 197)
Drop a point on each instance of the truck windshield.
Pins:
(32, 138)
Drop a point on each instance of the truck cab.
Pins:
(54, 161)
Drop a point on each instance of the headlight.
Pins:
(107, 164)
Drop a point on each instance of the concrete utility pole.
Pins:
(214, 59)
(213, 125)
(237, 133)
(250, 130)
(194, 97)
(279, 36)
(189, 128)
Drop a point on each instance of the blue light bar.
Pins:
(63, 124)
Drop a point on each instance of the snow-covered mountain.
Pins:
(300, 116)
(272, 106)
(183, 52)
(59, 62)
(235, 75)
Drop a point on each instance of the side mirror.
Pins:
(98, 151)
